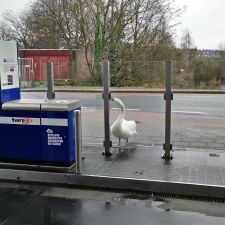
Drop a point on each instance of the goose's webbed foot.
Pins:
(119, 145)
(119, 142)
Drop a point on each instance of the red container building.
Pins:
(38, 59)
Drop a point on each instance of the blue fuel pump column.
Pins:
(9, 79)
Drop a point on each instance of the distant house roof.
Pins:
(209, 53)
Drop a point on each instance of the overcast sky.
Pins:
(205, 19)
(12, 4)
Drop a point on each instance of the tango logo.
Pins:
(22, 120)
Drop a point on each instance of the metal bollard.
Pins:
(78, 143)
(168, 97)
(50, 80)
(106, 96)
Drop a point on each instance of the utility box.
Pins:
(9, 78)
(38, 132)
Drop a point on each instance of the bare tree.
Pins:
(221, 46)
(57, 22)
(188, 48)
(102, 25)
(5, 32)
(62, 15)
(17, 28)
(187, 41)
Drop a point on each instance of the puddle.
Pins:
(61, 206)
(126, 211)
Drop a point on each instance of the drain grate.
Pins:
(143, 195)
(214, 155)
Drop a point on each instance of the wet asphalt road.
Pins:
(39, 205)
(194, 104)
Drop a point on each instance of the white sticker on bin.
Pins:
(54, 122)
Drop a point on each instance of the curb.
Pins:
(130, 91)
(115, 183)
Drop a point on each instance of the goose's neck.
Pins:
(122, 113)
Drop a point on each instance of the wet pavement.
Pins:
(40, 205)
(144, 162)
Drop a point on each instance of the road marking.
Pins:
(200, 96)
(90, 109)
(187, 112)
(93, 109)
(127, 109)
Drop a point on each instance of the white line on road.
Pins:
(127, 109)
(200, 96)
(187, 112)
(90, 109)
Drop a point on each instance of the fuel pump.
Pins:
(33, 131)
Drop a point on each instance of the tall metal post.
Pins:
(106, 96)
(168, 96)
(50, 81)
(78, 141)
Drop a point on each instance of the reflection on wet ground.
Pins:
(39, 205)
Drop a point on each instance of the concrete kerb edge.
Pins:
(94, 181)
(129, 91)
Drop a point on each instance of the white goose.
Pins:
(122, 128)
